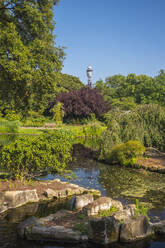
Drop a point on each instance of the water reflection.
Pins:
(117, 182)
(120, 183)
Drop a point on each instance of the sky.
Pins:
(113, 36)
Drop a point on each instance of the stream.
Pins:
(123, 184)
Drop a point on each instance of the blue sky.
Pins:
(114, 36)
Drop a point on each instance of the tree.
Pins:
(66, 82)
(141, 89)
(145, 123)
(81, 103)
(29, 59)
(58, 113)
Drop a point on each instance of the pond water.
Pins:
(120, 183)
(123, 184)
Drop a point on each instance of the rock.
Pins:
(26, 225)
(82, 201)
(50, 193)
(103, 230)
(102, 203)
(126, 213)
(57, 215)
(34, 229)
(153, 152)
(159, 228)
(131, 208)
(94, 192)
(14, 199)
(52, 233)
(135, 229)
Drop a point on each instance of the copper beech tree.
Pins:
(81, 103)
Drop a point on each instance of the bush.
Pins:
(93, 130)
(79, 104)
(27, 155)
(58, 113)
(11, 115)
(125, 153)
(146, 124)
(34, 123)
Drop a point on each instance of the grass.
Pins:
(107, 212)
(80, 227)
(31, 131)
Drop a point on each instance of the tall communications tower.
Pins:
(89, 75)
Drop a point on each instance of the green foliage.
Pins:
(27, 155)
(146, 123)
(126, 92)
(80, 227)
(6, 139)
(34, 122)
(58, 113)
(66, 82)
(80, 216)
(11, 115)
(107, 212)
(9, 126)
(141, 209)
(34, 119)
(125, 153)
(93, 130)
(29, 59)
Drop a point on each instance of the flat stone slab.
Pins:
(14, 199)
(36, 229)
(45, 190)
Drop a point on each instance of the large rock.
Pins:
(67, 190)
(82, 201)
(14, 199)
(102, 203)
(26, 226)
(159, 228)
(135, 229)
(103, 230)
(126, 213)
(53, 217)
(34, 229)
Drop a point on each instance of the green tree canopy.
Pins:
(29, 59)
(66, 82)
(141, 89)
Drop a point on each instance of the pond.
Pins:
(120, 183)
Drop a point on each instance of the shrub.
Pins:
(125, 153)
(146, 123)
(34, 122)
(81, 103)
(11, 115)
(93, 130)
(58, 113)
(28, 155)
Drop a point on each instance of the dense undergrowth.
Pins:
(27, 155)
